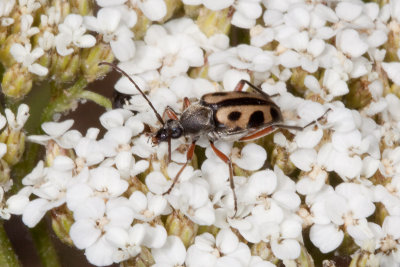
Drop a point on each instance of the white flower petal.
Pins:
(100, 253)
(226, 241)
(173, 252)
(252, 157)
(153, 9)
(304, 158)
(56, 129)
(326, 237)
(84, 233)
(34, 211)
(286, 249)
(349, 42)
(393, 71)
(348, 11)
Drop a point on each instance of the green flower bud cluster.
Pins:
(37, 29)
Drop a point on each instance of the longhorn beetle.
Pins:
(229, 116)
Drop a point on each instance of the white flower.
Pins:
(109, 24)
(129, 242)
(271, 218)
(5, 9)
(93, 220)
(173, 253)
(58, 132)
(390, 162)
(71, 31)
(246, 13)
(27, 57)
(243, 58)
(16, 122)
(26, 30)
(49, 184)
(388, 241)
(224, 249)
(349, 205)
(102, 181)
(191, 198)
(147, 207)
(350, 43)
(171, 52)
(89, 151)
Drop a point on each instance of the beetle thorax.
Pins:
(197, 120)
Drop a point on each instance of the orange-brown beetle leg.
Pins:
(227, 160)
(186, 103)
(189, 156)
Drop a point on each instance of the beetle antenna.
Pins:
(137, 87)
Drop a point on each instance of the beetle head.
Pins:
(171, 129)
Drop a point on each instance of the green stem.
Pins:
(7, 255)
(44, 245)
(65, 101)
(97, 98)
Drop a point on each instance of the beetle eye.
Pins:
(161, 135)
(176, 132)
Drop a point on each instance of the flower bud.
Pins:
(280, 157)
(297, 80)
(141, 26)
(53, 150)
(81, 7)
(64, 7)
(364, 259)
(212, 229)
(191, 11)
(144, 259)
(136, 185)
(17, 82)
(263, 250)
(305, 259)
(179, 225)
(348, 245)
(172, 7)
(61, 221)
(213, 22)
(4, 172)
(393, 42)
(64, 69)
(6, 58)
(359, 95)
(15, 141)
(90, 59)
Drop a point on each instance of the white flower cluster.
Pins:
(10, 125)
(342, 159)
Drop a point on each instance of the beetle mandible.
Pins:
(228, 116)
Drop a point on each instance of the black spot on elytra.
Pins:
(275, 114)
(234, 115)
(256, 119)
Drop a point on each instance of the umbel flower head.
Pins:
(331, 187)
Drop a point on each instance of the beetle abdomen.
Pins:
(236, 111)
